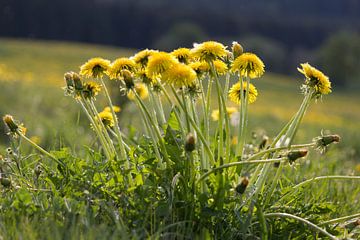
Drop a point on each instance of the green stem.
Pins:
(312, 225)
(326, 178)
(340, 219)
(233, 164)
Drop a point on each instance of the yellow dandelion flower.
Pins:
(209, 51)
(159, 63)
(248, 65)
(91, 89)
(36, 139)
(106, 118)
(179, 75)
(95, 67)
(234, 92)
(141, 58)
(119, 65)
(220, 67)
(141, 74)
(315, 79)
(182, 54)
(115, 108)
(200, 67)
(140, 89)
(216, 114)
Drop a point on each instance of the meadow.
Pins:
(32, 77)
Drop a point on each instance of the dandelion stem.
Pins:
(340, 219)
(312, 225)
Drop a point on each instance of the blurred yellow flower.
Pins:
(202, 67)
(220, 67)
(36, 139)
(248, 65)
(179, 75)
(141, 58)
(120, 64)
(215, 114)
(91, 89)
(357, 168)
(159, 63)
(234, 92)
(140, 89)
(208, 51)
(106, 118)
(315, 79)
(182, 54)
(95, 67)
(115, 108)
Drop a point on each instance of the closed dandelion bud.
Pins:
(6, 182)
(9, 121)
(240, 188)
(77, 81)
(190, 143)
(263, 142)
(293, 155)
(128, 78)
(69, 80)
(323, 141)
(237, 49)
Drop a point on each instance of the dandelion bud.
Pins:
(6, 182)
(77, 81)
(240, 188)
(293, 155)
(190, 143)
(69, 80)
(237, 49)
(263, 142)
(9, 121)
(128, 78)
(323, 141)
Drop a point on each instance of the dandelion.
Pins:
(159, 63)
(115, 108)
(200, 67)
(209, 51)
(183, 55)
(91, 89)
(141, 91)
(234, 92)
(315, 79)
(248, 65)
(141, 58)
(241, 187)
(13, 126)
(236, 49)
(95, 67)
(295, 154)
(229, 110)
(220, 67)
(141, 74)
(106, 118)
(190, 142)
(116, 71)
(179, 75)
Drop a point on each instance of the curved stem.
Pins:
(312, 225)
(340, 219)
(326, 178)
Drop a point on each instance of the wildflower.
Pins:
(91, 89)
(248, 65)
(190, 142)
(128, 78)
(209, 51)
(315, 79)
(323, 141)
(182, 54)
(237, 49)
(200, 67)
(179, 75)
(106, 118)
(141, 91)
(95, 67)
(115, 108)
(141, 74)
(220, 67)
(14, 127)
(234, 92)
(159, 63)
(215, 114)
(141, 58)
(117, 68)
(240, 188)
(295, 154)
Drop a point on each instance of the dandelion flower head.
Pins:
(235, 96)
(95, 67)
(179, 75)
(115, 108)
(216, 114)
(141, 90)
(120, 64)
(159, 63)
(248, 65)
(209, 51)
(91, 89)
(182, 54)
(315, 79)
(106, 118)
(141, 58)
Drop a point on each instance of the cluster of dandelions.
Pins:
(189, 80)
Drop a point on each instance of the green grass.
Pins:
(31, 76)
